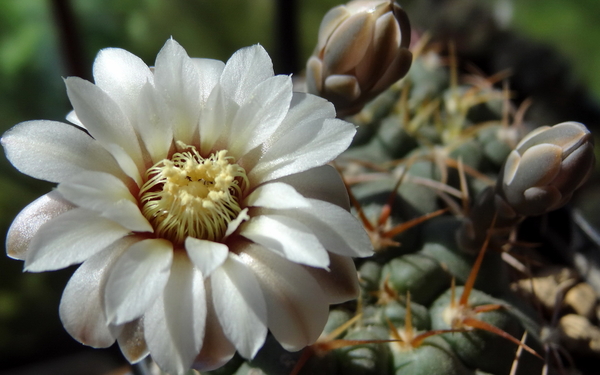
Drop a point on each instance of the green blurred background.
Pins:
(33, 62)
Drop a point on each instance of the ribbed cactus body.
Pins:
(370, 274)
(395, 312)
(418, 274)
(439, 243)
(478, 348)
(433, 356)
(365, 359)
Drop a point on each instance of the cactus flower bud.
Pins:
(362, 50)
(546, 167)
(539, 176)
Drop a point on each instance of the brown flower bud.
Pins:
(546, 167)
(362, 50)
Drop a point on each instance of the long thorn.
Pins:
(408, 327)
(463, 187)
(307, 353)
(464, 298)
(386, 211)
(487, 308)
(411, 223)
(387, 208)
(520, 114)
(453, 67)
(393, 330)
(417, 340)
(363, 218)
(436, 185)
(515, 364)
(339, 330)
(420, 45)
(475, 323)
(337, 344)
(505, 104)
(471, 171)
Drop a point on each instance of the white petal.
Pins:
(247, 68)
(71, 238)
(126, 163)
(234, 224)
(304, 109)
(107, 123)
(336, 228)
(217, 350)
(106, 194)
(260, 115)
(54, 151)
(175, 323)
(122, 75)
(303, 148)
(81, 306)
(297, 307)
(215, 117)
(240, 306)
(210, 73)
(177, 78)
(154, 122)
(287, 237)
(276, 195)
(322, 183)
(206, 255)
(30, 219)
(340, 284)
(137, 279)
(132, 342)
(73, 119)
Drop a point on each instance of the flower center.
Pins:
(190, 196)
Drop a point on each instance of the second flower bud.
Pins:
(361, 51)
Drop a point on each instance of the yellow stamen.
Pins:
(190, 196)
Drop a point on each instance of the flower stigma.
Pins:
(191, 196)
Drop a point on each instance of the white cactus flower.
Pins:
(361, 51)
(197, 197)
